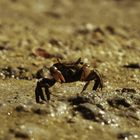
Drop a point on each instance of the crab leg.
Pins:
(85, 86)
(94, 75)
(43, 83)
(39, 93)
(48, 93)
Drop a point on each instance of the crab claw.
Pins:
(57, 75)
(85, 73)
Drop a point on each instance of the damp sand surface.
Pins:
(105, 34)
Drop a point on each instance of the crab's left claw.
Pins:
(57, 75)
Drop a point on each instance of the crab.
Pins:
(65, 73)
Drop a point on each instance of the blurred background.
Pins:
(105, 34)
